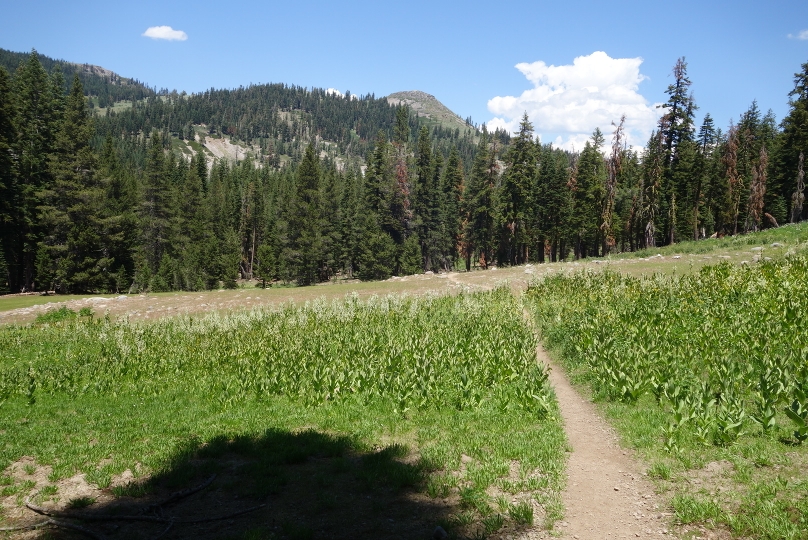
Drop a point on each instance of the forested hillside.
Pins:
(104, 86)
(128, 198)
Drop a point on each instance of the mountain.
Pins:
(105, 86)
(275, 122)
(427, 106)
(271, 123)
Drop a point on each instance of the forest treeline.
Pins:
(105, 87)
(107, 203)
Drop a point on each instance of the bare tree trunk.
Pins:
(615, 168)
(756, 192)
(252, 254)
(798, 198)
(733, 178)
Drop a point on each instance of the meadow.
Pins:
(706, 375)
(424, 398)
(358, 415)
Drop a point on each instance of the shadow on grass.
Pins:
(304, 484)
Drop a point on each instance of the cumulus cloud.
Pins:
(165, 32)
(568, 102)
(803, 35)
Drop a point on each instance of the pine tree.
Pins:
(223, 252)
(120, 215)
(649, 190)
(700, 212)
(154, 216)
(331, 198)
(195, 228)
(9, 189)
(514, 212)
(676, 129)
(478, 208)
(351, 206)
(38, 115)
(305, 242)
(451, 194)
(74, 254)
(793, 141)
(588, 187)
(425, 197)
(554, 203)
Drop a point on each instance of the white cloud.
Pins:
(165, 32)
(335, 92)
(568, 102)
(803, 35)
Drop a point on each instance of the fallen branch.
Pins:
(55, 523)
(25, 527)
(177, 495)
(86, 516)
(152, 519)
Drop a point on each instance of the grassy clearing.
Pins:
(440, 398)
(789, 235)
(23, 301)
(706, 374)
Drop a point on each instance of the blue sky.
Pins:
(464, 53)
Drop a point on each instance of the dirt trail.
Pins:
(607, 493)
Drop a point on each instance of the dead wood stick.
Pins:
(91, 517)
(79, 528)
(177, 495)
(25, 527)
(55, 523)
(152, 519)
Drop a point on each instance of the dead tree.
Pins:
(730, 159)
(757, 190)
(615, 168)
(799, 195)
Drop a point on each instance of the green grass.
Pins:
(80, 502)
(16, 302)
(436, 395)
(705, 374)
(792, 235)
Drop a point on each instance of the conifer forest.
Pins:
(105, 187)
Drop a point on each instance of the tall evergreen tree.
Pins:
(554, 203)
(700, 217)
(793, 139)
(9, 189)
(74, 254)
(39, 106)
(155, 215)
(676, 129)
(587, 186)
(425, 200)
(514, 212)
(305, 241)
(451, 194)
